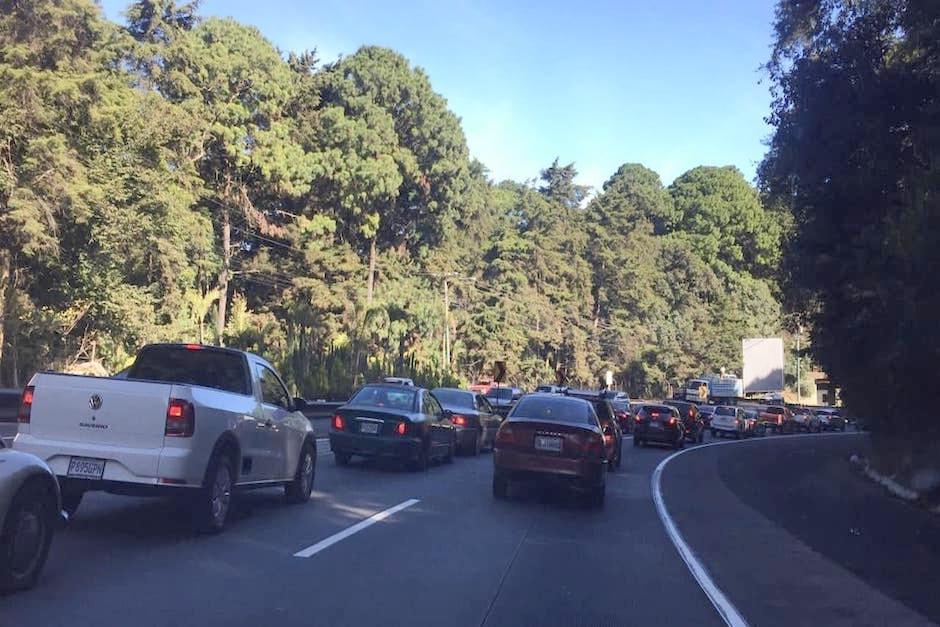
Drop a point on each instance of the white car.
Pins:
(729, 421)
(29, 512)
(189, 420)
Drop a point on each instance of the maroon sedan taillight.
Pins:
(593, 446)
(505, 436)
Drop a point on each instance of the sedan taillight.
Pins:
(26, 405)
(505, 436)
(401, 428)
(338, 423)
(594, 446)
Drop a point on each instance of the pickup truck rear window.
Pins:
(221, 370)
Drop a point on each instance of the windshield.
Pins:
(503, 394)
(222, 370)
(725, 411)
(554, 409)
(454, 398)
(383, 396)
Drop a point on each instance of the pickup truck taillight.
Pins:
(180, 418)
(26, 405)
(338, 423)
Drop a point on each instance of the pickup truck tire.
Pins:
(26, 536)
(299, 490)
(215, 498)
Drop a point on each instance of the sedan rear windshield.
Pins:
(503, 394)
(401, 398)
(774, 410)
(555, 409)
(454, 398)
(218, 369)
(725, 411)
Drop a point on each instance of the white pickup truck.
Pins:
(187, 419)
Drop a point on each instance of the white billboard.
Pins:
(763, 364)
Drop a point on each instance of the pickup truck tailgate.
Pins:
(97, 410)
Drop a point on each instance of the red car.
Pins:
(552, 439)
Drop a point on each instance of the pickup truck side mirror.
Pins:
(299, 404)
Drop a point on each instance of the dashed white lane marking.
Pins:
(725, 607)
(359, 526)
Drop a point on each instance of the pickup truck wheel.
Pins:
(215, 499)
(341, 458)
(26, 536)
(298, 490)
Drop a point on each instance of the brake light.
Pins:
(594, 446)
(338, 423)
(401, 428)
(608, 439)
(691, 414)
(180, 419)
(638, 418)
(26, 405)
(460, 420)
(672, 420)
(505, 436)
(193, 347)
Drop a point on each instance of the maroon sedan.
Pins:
(552, 439)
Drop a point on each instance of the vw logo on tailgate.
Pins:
(95, 402)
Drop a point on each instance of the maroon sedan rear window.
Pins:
(555, 409)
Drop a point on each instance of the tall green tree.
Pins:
(854, 156)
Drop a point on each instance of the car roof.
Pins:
(393, 386)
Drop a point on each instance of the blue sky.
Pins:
(671, 84)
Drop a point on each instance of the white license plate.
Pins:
(86, 468)
(369, 427)
(655, 424)
(547, 443)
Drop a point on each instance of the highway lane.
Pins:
(456, 557)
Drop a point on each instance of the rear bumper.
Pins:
(123, 465)
(576, 473)
(374, 446)
(644, 433)
(467, 436)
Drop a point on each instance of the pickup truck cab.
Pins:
(188, 419)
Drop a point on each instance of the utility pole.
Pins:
(446, 324)
(799, 382)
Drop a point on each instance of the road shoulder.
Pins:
(771, 576)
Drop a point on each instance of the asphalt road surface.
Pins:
(775, 539)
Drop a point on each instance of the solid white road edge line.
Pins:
(359, 526)
(725, 607)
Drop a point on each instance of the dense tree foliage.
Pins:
(856, 158)
(178, 178)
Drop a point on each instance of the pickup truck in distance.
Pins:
(189, 420)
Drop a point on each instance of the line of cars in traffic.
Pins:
(203, 423)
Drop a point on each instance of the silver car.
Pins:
(29, 510)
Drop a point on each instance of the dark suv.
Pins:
(692, 423)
